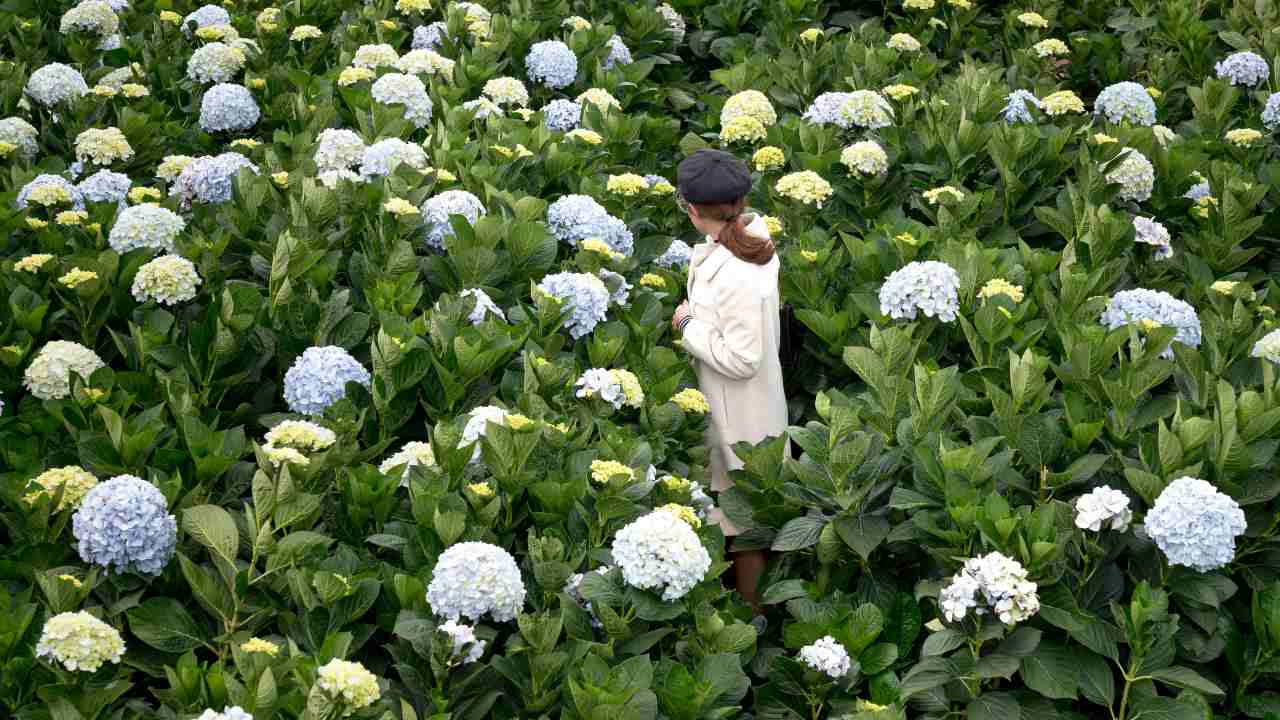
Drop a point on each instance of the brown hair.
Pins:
(734, 235)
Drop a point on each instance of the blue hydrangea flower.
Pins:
(438, 208)
(205, 16)
(1243, 68)
(1153, 306)
(574, 218)
(619, 53)
(1151, 232)
(106, 186)
(1015, 109)
(124, 525)
(77, 198)
(485, 306)
(429, 37)
(929, 286)
(825, 110)
(677, 255)
(584, 295)
(319, 377)
(562, 115)
(56, 83)
(1271, 112)
(551, 63)
(1197, 191)
(1126, 101)
(208, 179)
(612, 279)
(21, 134)
(1195, 525)
(228, 108)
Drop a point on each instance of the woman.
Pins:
(730, 323)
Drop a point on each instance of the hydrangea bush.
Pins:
(337, 378)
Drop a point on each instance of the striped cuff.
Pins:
(684, 323)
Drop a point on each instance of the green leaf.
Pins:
(992, 706)
(1052, 672)
(783, 591)
(798, 533)
(1152, 707)
(212, 527)
(942, 642)
(863, 533)
(1185, 677)
(1097, 681)
(164, 624)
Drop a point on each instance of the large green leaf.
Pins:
(164, 624)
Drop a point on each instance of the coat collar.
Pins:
(710, 256)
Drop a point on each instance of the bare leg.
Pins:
(748, 566)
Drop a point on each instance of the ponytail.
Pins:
(734, 236)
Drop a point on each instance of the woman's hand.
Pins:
(682, 312)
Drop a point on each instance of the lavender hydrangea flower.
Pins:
(551, 63)
(611, 279)
(438, 208)
(1015, 109)
(1153, 307)
(105, 186)
(1271, 112)
(1243, 68)
(59, 184)
(228, 108)
(677, 255)
(584, 295)
(1126, 102)
(1195, 525)
(825, 110)
(929, 286)
(208, 179)
(562, 115)
(319, 377)
(124, 525)
(1150, 232)
(619, 53)
(574, 218)
(56, 83)
(429, 37)
(205, 16)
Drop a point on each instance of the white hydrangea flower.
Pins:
(1154, 307)
(425, 62)
(349, 684)
(338, 149)
(749, 103)
(168, 280)
(56, 83)
(675, 22)
(230, 712)
(412, 454)
(866, 109)
(1136, 176)
(660, 552)
(216, 62)
(227, 107)
(406, 90)
(827, 657)
(865, 158)
(466, 647)
(1150, 232)
(1002, 584)
(79, 642)
(484, 306)
(472, 579)
(375, 56)
(1195, 525)
(1243, 68)
(90, 16)
(22, 135)
(1268, 347)
(301, 435)
(48, 377)
(1126, 102)
(929, 286)
(145, 226)
(380, 156)
(1104, 506)
(478, 423)
(507, 91)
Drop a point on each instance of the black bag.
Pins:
(792, 338)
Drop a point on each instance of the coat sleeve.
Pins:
(735, 346)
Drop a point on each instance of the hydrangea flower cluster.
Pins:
(1268, 347)
(484, 306)
(903, 42)
(1135, 175)
(349, 684)
(1015, 109)
(168, 280)
(827, 657)
(677, 255)
(551, 63)
(584, 295)
(1270, 114)
(928, 286)
(562, 115)
(413, 453)
(615, 387)
(319, 377)
(338, 149)
(659, 552)
(990, 583)
(472, 579)
(79, 642)
(429, 37)
(1150, 232)
(228, 108)
(406, 90)
(124, 525)
(105, 186)
(742, 129)
(467, 648)
(825, 110)
(1126, 102)
(381, 156)
(865, 158)
(1061, 102)
(1195, 525)
(866, 109)
(805, 186)
(478, 424)
(1153, 307)
(230, 712)
(205, 16)
(56, 83)
(90, 16)
(601, 98)
(425, 62)
(48, 191)
(301, 435)
(215, 63)
(21, 135)
(48, 377)
(749, 103)
(622, 289)
(438, 208)
(208, 180)
(72, 480)
(1243, 68)
(1103, 507)
(373, 57)
(619, 53)
(103, 146)
(506, 91)
(574, 218)
(692, 401)
(675, 22)
(145, 226)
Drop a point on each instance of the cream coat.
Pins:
(734, 337)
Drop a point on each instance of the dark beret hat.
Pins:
(712, 177)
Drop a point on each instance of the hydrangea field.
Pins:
(337, 378)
